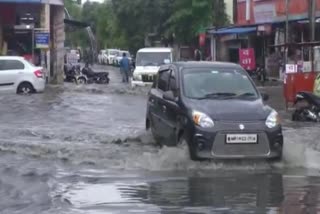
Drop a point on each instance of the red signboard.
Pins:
(202, 39)
(247, 59)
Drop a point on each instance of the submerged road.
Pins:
(83, 149)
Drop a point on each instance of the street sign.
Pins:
(247, 59)
(42, 40)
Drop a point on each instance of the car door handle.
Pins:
(20, 72)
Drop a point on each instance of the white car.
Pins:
(148, 62)
(102, 57)
(111, 54)
(20, 76)
(119, 57)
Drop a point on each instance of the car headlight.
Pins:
(273, 120)
(137, 77)
(202, 120)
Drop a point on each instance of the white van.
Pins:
(148, 62)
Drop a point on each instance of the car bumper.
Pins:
(213, 145)
(140, 83)
(39, 85)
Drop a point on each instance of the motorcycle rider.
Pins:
(125, 68)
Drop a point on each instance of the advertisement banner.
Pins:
(247, 59)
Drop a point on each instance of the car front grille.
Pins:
(147, 78)
(221, 148)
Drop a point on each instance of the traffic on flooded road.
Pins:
(84, 149)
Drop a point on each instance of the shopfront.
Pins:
(34, 29)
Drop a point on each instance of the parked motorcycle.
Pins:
(307, 107)
(93, 77)
(71, 72)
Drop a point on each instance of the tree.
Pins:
(126, 23)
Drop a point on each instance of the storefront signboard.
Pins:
(291, 68)
(42, 40)
(264, 12)
(247, 59)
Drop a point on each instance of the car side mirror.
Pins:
(265, 97)
(168, 95)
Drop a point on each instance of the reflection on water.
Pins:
(237, 193)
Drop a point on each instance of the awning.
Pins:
(76, 23)
(20, 1)
(233, 30)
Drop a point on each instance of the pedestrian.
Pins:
(197, 55)
(125, 68)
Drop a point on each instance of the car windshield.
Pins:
(113, 52)
(120, 54)
(208, 83)
(152, 59)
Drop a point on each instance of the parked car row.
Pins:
(112, 56)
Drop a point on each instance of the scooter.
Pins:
(93, 77)
(307, 107)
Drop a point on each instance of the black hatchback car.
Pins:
(215, 109)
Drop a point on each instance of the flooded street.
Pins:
(84, 149)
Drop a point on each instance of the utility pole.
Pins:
(312, 17)
(287, 33)
(312, 4)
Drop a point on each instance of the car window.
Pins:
(202, 83)
(163, 80)
(152, 59)
(11, 65)
(172, 81)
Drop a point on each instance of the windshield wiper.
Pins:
(247, 94)
(218, 95)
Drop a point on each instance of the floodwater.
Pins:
(83, 149)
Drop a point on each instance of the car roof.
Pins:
(155, 49)
(206, 64)
(11, 58)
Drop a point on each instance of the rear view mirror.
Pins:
(168, 95)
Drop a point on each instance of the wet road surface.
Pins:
(83, 149)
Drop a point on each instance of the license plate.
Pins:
(241, 138)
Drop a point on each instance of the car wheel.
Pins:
(25, 88)
(182, 142)
(82, 80)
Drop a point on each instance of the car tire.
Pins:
(192, 151)
(25, 88)
(277, 159)
(82, 80)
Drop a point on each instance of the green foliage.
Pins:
(126, 23)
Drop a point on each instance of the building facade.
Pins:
(34, 29)
(261, 25)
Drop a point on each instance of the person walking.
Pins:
(125, 68)
(197, 55)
